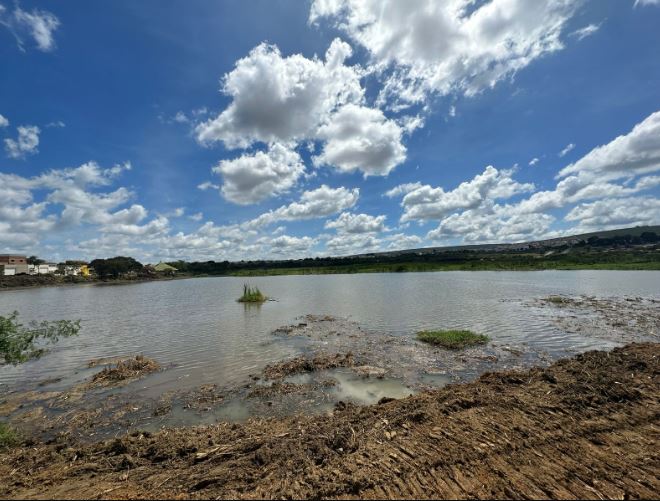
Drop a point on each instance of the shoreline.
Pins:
(288, 272)
(543, 432)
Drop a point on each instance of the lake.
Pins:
(196, 328)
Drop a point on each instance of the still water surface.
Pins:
(196, 327)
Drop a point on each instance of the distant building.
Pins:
(12, 259)
(165, 268)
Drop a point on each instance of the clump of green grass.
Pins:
(8, 436)
(452, 339)
(251, 295)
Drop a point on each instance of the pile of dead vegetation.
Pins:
(303, 364)
(125, 370)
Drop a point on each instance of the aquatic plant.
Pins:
(8, 436)
(452, 339)
(18, 342)
(251, 295)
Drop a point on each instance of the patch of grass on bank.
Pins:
(251, 295)
(452, 339)
(8, 437)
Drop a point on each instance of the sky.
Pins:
(277, 129)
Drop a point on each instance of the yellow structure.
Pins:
(84, 270)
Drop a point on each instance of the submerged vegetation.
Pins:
(19, 343)
(452, 339)
(251, 295)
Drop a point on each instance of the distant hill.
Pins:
(535, 244)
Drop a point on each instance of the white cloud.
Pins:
(646, 2)
(401, 241)
(26, 144)
(450, 46)
(196, 217)
(321, 202)
(207, 185)
(613, 213)
(3, 121)
(353, 243)
(357, 223)
(492, 226)
(586, 31)
(276, 98)
(57, 124)
(566, 150)
(361, 138)
(38, 24)
(252, 178)
(534, 161)
(290, 246)
(71, 202)
(637, 152)
(402, 189)
(428, 203)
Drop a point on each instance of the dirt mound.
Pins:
(302, 364)
(125, 370)
(582, 428)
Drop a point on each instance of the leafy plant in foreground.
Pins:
(18, 342)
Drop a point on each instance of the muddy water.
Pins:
(214, 350)
(197, 329)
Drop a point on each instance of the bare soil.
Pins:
(585, 427)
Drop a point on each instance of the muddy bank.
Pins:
(584, 427)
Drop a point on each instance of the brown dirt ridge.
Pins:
(585, 427)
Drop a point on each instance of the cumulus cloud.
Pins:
(492, 226)
(452, 46)
(26, 144)
(646, 2)
(533, 161)
(71, 201)
(40, 25)
(357, 223)
(321, 202)
(428, 203)
(357, 137)
(276, 98)
(252, 178)
(3, 122)
(613, 213)
(637, 152)
(291, 246)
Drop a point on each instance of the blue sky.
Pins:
(277, 129)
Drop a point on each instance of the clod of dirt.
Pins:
(303, 364)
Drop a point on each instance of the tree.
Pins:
(35, 260)
(18, 342)
(115, 266)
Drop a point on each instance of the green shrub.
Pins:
(8, 436)
(452, 339)
(17, 342)
(251, 295)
